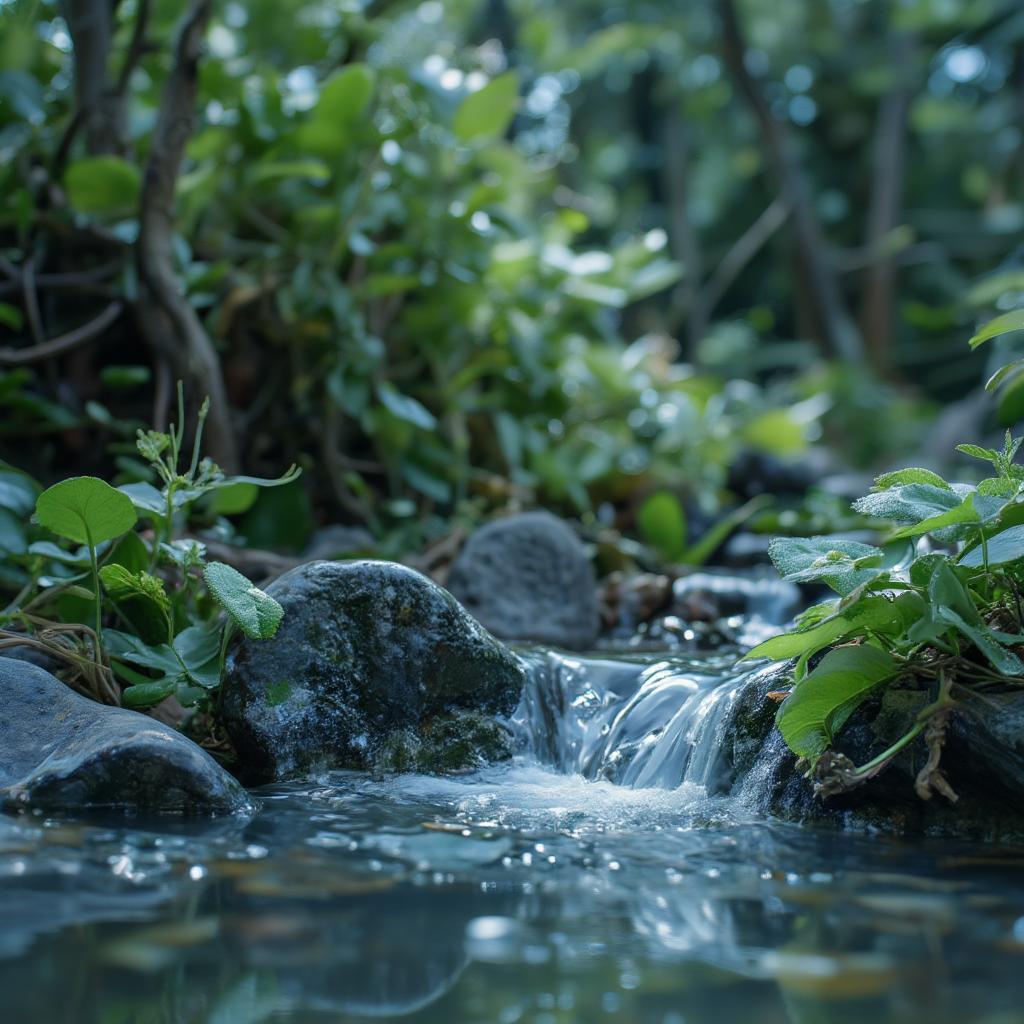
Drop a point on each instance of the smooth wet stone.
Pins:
(60, 751)
(528, 577)
(754, 593)
(368, 653)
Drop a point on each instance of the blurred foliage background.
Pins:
(454, 258)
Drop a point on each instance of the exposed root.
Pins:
(77, 646)
(930, 778)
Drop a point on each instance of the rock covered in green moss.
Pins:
(367, 653)
(61, 752)
(447, 743)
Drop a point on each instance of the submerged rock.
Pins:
(528, 577)
(369, 660)
(60, 751)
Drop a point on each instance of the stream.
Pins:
(600, 876)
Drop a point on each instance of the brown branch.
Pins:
(838, 330)
(137, 48)
(99, 109)
(32, 314)
(743, 250)
(889, 160)
(330, 452)
(64, 342)
(171, 325)
(683, 236)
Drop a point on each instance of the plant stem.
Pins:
(95, 582)
(942, 703)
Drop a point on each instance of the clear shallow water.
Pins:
(522, 893)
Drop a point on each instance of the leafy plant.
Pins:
(947, 615)
(153, 598)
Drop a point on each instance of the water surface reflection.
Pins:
(517, 894)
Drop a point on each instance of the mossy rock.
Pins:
(367, 653)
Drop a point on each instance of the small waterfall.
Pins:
(636, 724)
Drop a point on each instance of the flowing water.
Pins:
(602, 876)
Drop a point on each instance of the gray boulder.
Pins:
(60, 751)
(528, 577)
(370, 656)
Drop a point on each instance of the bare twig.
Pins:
(64, 342)
(137, 48)
(743, 250)
(32, 314)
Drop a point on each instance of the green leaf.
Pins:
(257, 614)
(1004, 547)
(1003, 660)
(1012, 321)
(946, 590)
(102, 185)
(122, 585)
(128, 647)
(405, 407)
(834, 560)
(18, 491)
(86, 510)
(12, 534)
(339, 112)
(872, 613)
(909, 503)
(131, 552)
(699, 552)
(662, 521)
(146, 498)
(912, 475)
(820, 705)
(233, 499)
(199, 649)
(486, 114)
(145, 695)
(965, 512)
(775, 431)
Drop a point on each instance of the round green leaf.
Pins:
(662, 521)
(486, 114)
(257, 614)
(102, 184)
(86, 510)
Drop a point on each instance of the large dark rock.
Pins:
(368, 655)
(60, 751)
(982, 761)
(527, 577)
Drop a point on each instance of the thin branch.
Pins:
(32, 314)
(137, 48)
(743, 250)
(64, 342)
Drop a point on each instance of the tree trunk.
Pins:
(837, 328)
(168, 320)
(887, 178)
